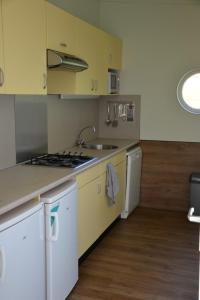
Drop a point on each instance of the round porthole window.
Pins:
(188, 91)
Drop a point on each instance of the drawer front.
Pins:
(115, 160)
(93, 172)
(88, 175)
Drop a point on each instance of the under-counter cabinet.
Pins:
(95, 213)
(61, 240)
(24, 46)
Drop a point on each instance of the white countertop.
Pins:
(21, 183)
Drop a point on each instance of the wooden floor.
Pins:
(152, 256)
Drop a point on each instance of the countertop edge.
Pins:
(17, 202)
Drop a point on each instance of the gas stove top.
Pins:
(66, 160)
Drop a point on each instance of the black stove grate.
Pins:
(67, 160)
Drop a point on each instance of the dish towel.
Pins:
(112, 183)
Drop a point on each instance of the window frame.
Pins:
(180, 98)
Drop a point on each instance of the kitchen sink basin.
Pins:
(99, 146)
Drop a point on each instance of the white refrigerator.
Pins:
(61, 240)
(22, 253)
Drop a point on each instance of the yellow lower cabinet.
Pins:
(111, 212)
(89, 219)
(95, 213)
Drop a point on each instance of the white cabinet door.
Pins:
(22, 260)
(61, 246)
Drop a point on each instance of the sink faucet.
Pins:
(80, 140)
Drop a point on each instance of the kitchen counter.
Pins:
(21, 183)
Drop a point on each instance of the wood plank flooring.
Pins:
(151, 256)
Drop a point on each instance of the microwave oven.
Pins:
(113, 82)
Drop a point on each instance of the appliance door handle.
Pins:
(54, 236)
(191, 218)
(2, 263)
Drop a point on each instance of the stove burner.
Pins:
(67, 160)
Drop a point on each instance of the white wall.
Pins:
(84, 9)
(161, 42)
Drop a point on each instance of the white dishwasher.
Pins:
(133, 175)
(61, 240)
(22, 253)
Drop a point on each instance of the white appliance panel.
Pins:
(61, 245)
(134, 165)
(22, 261)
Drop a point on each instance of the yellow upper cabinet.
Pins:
(91, 48)
(102, 69)
(24, 43)
(62, 37)
(61, 30)
(114, 52)
(28, 28)
(1, 53)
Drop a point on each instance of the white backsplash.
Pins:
(66, 118)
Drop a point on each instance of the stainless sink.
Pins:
(99, 146)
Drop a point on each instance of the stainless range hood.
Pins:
(62, 61)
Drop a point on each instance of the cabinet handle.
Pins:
(92, 88)
(1, 77)
(44, 81)
(99, 188)
(63, 45)
(110, 59)
(2, 263)
(96, 85)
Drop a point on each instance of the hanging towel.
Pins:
(112, 183)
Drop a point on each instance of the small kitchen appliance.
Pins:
(22, 253)
(60, 206)
(113, 82)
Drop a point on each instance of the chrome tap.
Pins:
(80, 140)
